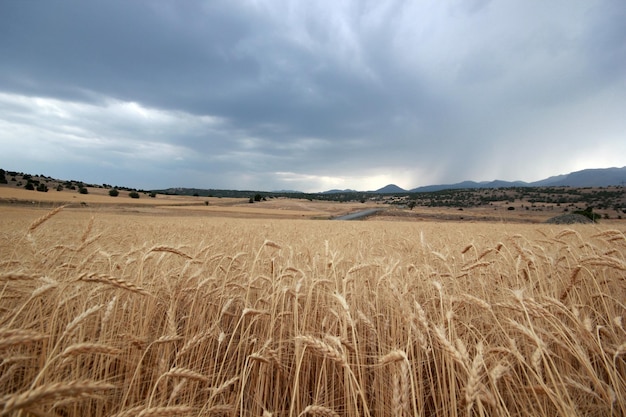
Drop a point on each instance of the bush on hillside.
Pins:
(588, 212)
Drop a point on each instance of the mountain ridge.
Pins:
(591, 177)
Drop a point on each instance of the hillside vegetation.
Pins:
(124, 315)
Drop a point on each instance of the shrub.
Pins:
(588, 212)
(133, 194)
(152, 194)
(113, 192)
(29, 186)
(83, 190)
(43, 188)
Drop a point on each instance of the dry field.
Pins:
(98, 200)
(106, 313)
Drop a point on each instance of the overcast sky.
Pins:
(311, 95)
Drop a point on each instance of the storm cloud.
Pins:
(277, 94)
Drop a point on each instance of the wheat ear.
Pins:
(53, 391)
(34, 225)
(323, 349)
(170, 250)
(178, 372)
(473, 381)
(176, 410)
(13, 337)
(319, 411)
(116, 282)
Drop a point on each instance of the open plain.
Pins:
(169, 306)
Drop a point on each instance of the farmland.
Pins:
(133, 311)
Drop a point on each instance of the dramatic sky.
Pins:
(311, 95)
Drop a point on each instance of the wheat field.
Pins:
(131, 315)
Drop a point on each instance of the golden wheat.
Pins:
(34, 225)
(318, 410)
(116, 282)
(126, 315)
(51, 392)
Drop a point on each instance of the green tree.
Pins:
(133, 194)
(83, 190)
(113, 192)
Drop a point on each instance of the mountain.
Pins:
(602, 177)
(335, 191)
(589, 178)
(391, 188)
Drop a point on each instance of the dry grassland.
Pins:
(135, 315)
(99, 200)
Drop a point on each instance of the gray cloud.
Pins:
(286, 94)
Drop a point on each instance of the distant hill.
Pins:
(602, 177)
(335, 191)
(391, 188)
(470, 184)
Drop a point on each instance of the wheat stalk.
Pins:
(170, 250)
(16, 276)
(572, 282)
(271, 244)
(87, 231)
(319, 410)
(87, 348)
(34, 225)
(473, 381)
(178, 372)
(323, 349)
(109, 280)
(392, 357)
(71, 326)
(175, 410)
(14, 337)
(448, 347)
(475, 265)
(215, 391)
(52, 392)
